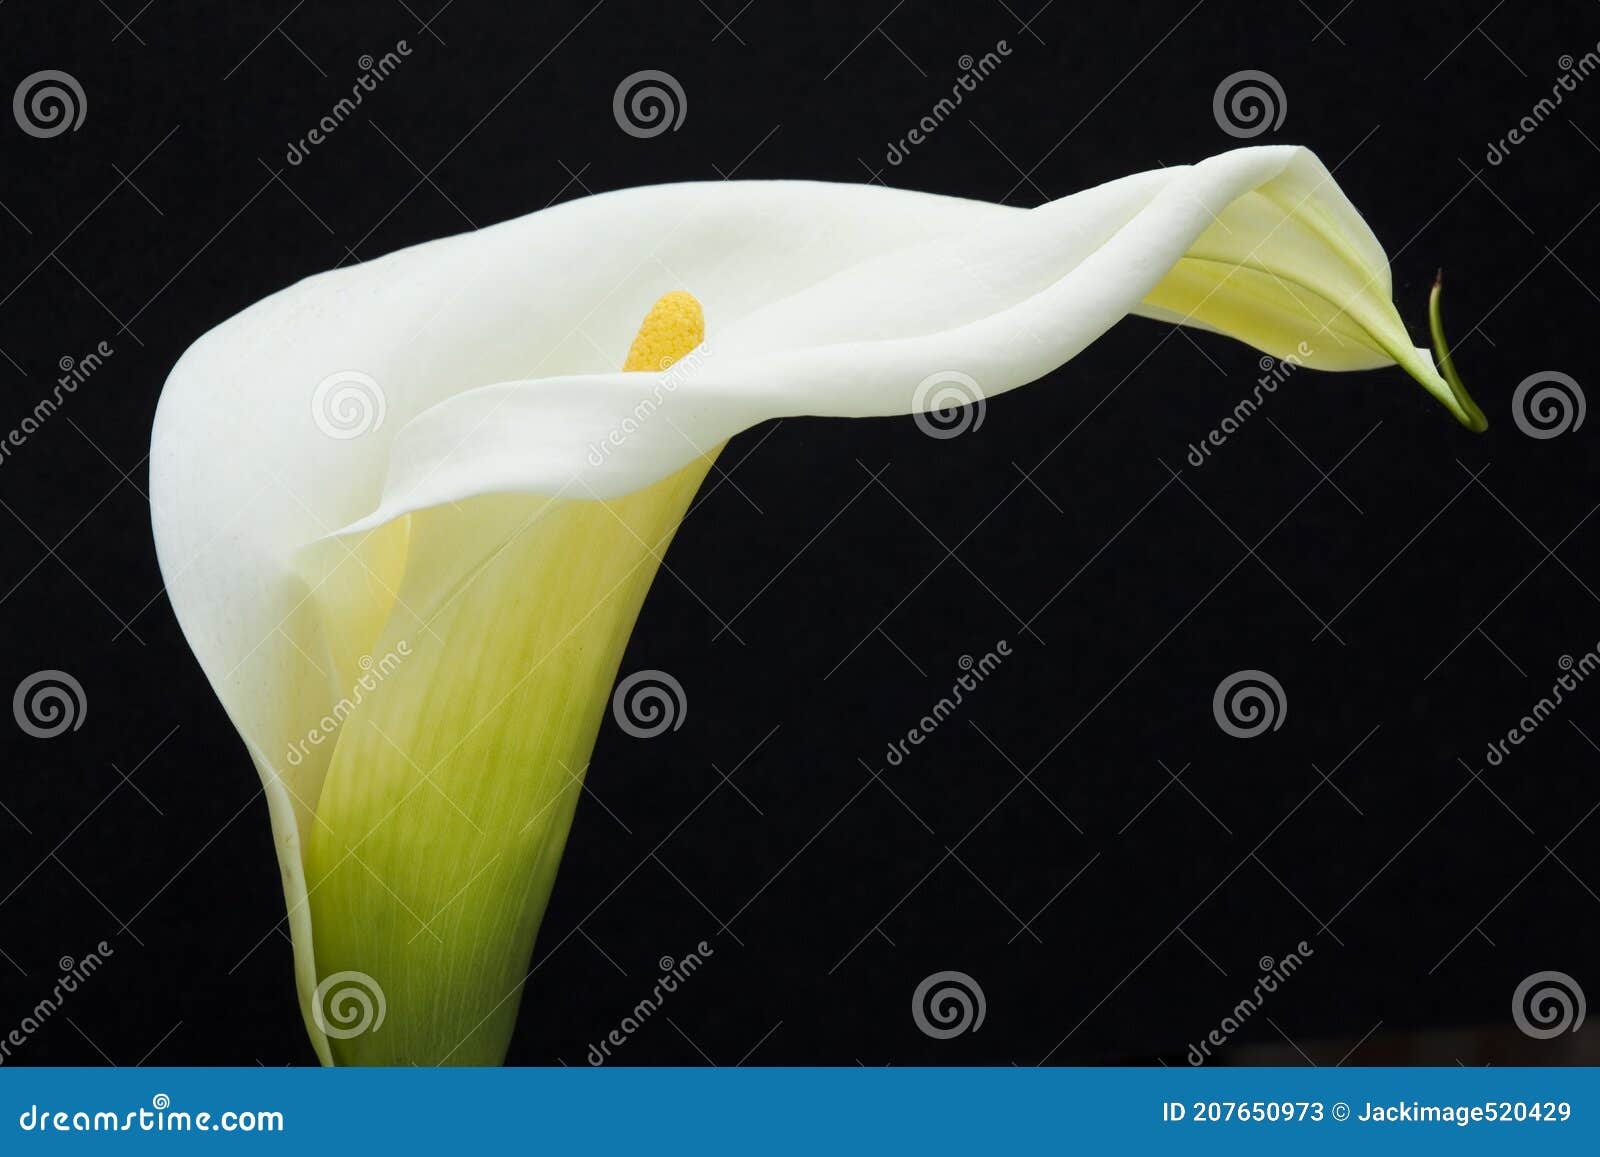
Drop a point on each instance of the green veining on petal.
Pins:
(452, 788)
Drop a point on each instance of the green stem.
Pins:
(1477, 423)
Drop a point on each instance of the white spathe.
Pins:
(495, 355)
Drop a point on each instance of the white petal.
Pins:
(486, 364)
(1005, 300)
(243, 477)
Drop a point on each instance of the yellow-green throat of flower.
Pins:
(440, 826)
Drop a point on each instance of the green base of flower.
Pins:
(449, 797)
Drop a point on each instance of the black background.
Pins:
(1454, 570)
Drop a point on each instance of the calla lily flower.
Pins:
(408, 511)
